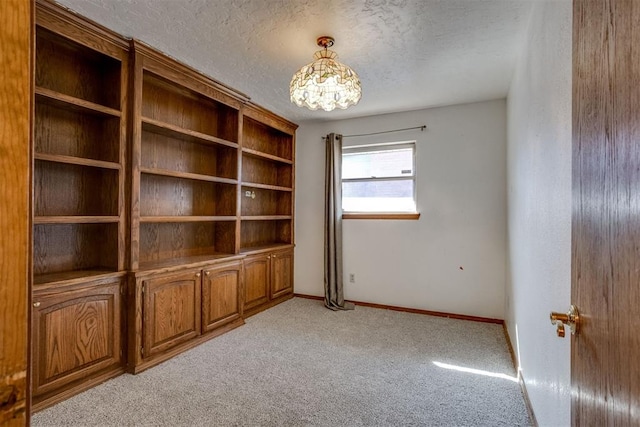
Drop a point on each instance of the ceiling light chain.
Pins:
(325, 83)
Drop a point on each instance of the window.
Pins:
(379, 178)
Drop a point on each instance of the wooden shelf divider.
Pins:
(187, 175)
(73, 219)
(71, 160)
(141, 166)
(266, 186)
(78, 226)
(186, 218)
(70, 102)
(265, 217)
(267, 156)
(167, 129)
(64, 278)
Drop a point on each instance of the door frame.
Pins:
(16, 106)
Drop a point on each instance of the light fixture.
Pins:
(325, 83)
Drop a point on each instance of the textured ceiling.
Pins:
(410, 54)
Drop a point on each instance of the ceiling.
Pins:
(410, 54)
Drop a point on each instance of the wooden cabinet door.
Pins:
(221, 295)
(171, 311)
(75, 334)
(281, 273)
(256, 280)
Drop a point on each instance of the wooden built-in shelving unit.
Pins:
(163, 206)
(79, 218)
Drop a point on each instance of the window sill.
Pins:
(378, 215)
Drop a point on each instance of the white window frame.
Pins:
(386, 214)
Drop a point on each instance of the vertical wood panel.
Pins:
(256, 280)
(16, 36)
(171, 310)
(606, 212)
(281, 273)
(76, 334)
(220, 296)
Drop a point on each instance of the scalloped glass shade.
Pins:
(325, 83)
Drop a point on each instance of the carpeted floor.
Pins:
(299, 364)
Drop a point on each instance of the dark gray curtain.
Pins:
(333, 276)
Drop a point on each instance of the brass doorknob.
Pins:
(571, 319)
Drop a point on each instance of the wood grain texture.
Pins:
(67, 102)
(221, 295)
(66, 132)
(281, 273)
(262, 115)
(260, 170)
(75, 219)
(70, 160)
(72, 247)
(174, 104)
(160, 64)
(251, 185)
(76, 334)
(164, 152)
(265, 233)
(261, 138)
(256, 153)
(166, 241)
(265, 202)
(187, 175)
(75, 70)
(254, 250)
(16, 37)
(178, 132)
(171, 310)
(85, 32)
(257, 276)
(605, 223)
(164, 195)
(69, 189)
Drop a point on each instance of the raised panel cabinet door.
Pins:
(256, 280)
(171, 311)
(281, 273)
(75, 334)
(221, 295)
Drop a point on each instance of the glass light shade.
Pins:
(325, 83)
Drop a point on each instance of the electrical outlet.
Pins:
(352, 278)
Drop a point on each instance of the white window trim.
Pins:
(363, 148)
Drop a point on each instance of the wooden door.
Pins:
(171, 311)
(256, 280)
(75, 334)
(16, 40)
(606, 212)
(221, 295)
(281, 273)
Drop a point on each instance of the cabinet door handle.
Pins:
(206, 273)
(36, 304)
(197, 274)
(269, 257)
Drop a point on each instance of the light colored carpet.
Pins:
(299, 364)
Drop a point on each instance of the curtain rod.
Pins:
(422, 128)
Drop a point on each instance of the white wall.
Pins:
(539, 201)
(461, 195)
